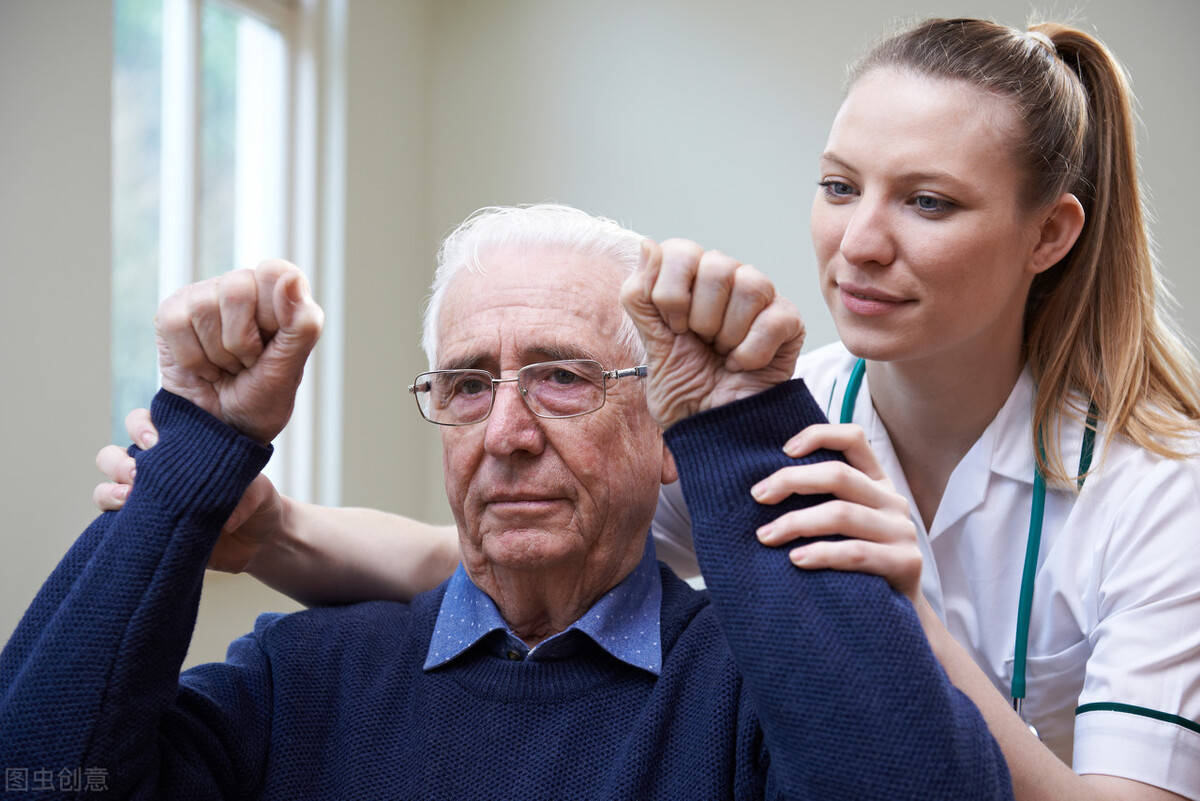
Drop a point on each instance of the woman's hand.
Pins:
(867, 510)
(255, 521)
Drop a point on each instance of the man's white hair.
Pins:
(538, 225)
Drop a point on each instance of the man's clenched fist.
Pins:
(714, 328)
(236, 345)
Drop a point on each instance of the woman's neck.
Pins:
(934, 411)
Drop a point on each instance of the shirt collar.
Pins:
(1005, 447)
(1012, 432)
(624, 621)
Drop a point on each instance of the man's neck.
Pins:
(538, 603)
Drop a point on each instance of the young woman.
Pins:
(1009, 378)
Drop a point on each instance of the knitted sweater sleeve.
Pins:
(89, 680)
(852, 701)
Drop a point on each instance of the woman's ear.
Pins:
(1059, 231)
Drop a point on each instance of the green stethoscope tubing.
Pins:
(1033, 543)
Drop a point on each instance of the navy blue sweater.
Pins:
(784, 685)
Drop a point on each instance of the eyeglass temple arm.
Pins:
(641, 371)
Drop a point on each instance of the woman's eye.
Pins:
(932, 205)
(836, 188)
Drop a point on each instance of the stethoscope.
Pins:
(1032, 544)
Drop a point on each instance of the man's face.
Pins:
(531, 493)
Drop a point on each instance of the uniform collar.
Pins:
(1005, 448)
(625, 622)
(1011, 432)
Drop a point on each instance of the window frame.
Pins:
(313, 103)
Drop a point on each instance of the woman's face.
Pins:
(923, 242)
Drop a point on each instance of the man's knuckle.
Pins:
(752, 284)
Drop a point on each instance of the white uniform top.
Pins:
(1116, 603)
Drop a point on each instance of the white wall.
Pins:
(704, 118)
(389, 256)
(695, 118)
(55, 242)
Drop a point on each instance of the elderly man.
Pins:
(559, 661)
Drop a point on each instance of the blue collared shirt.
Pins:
(624, 622)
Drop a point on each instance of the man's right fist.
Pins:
(236, 345)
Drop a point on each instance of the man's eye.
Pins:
(471, 386)
(563, 376)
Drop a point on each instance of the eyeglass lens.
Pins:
(550, 389)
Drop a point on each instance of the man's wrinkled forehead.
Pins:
(532, 307)
(485, 357)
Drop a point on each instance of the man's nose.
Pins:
(512, 427)
(868, 236)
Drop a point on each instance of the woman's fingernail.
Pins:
(759, 490)
(122, 492)
(132, 473)
(764, 532)
(149, 440)
(798, 556)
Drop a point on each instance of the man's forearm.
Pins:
(852, 701)
(94, 664)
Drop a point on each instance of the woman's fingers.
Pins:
(900, 566)
(828, 478)
(847, 438)
(839, 517)
(881, 538)
(109, 497)
(120, 468)
(115, 463)
(141, 431)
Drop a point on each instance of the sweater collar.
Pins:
(625, 622)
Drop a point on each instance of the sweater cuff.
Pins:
(721, 452)
(200, 466)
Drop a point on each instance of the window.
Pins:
(214, 160)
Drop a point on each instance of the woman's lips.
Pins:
(868, 302)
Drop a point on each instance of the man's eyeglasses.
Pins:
(567, 388)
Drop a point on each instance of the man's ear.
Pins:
(1058, 233)
(669, 473)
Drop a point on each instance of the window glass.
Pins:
(242, 142)
(137, 112)
(241, 152)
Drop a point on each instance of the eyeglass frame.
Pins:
(640, 371)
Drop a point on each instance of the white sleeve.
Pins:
(1138, 711)
(672, 530)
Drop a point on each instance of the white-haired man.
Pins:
(559, 661)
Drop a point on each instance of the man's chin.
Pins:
(527, 548)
